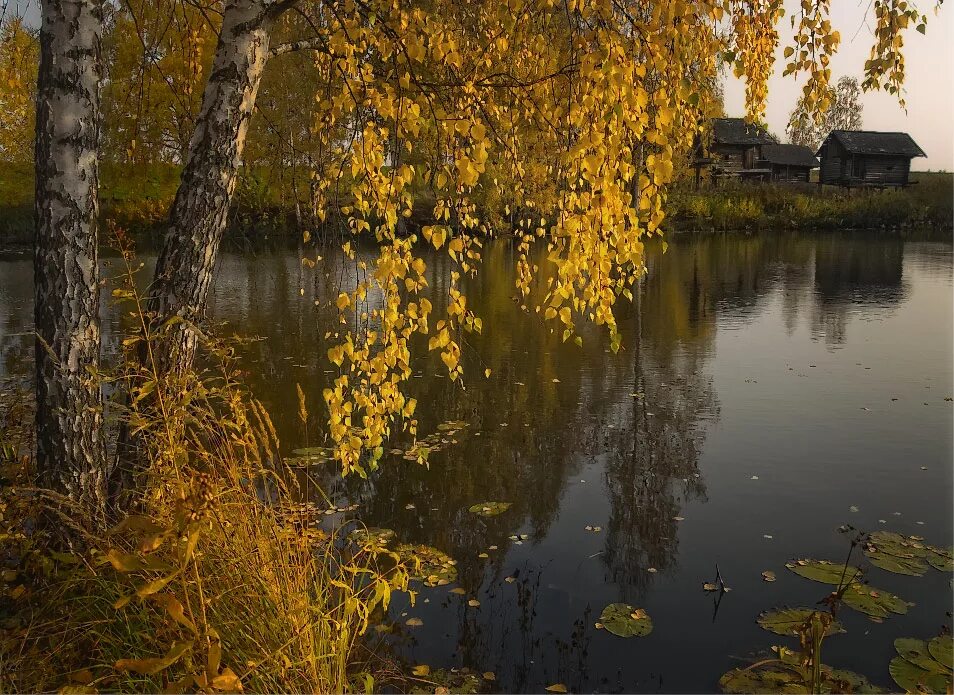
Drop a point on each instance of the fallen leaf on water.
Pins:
(679, 518)
(653, 570)
(754, 477)
(493, 547)
(414, 622)
(852, 508)
(409, 506)
(473, 603)
(709, 586)
(422, 670)
(556, 688)
(510, 580)
(768, 575)
(458, 590)
(490, 676)
(483, 555)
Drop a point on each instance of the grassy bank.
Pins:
(754, 206)
(228, 576)
(139, 197)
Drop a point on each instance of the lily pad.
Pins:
(940, 559)
(789, 621)
(911, 566)
(623, 620)
(441, 680)
(840, 680)
(763, 680)
(315, 454)
(916, 651)
(771, 679)
(895, 544)
(489, 508)
(824, 571)
(941, 649)
(427, 564)
(911, 553)
(915, 679)
(376, 537)
(877, 603)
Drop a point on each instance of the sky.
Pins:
(929, 85)
(929, 60)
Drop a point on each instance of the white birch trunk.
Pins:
(70, 453)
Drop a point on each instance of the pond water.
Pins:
(770, 389)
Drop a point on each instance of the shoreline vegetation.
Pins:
(138, 199)
(223, 575)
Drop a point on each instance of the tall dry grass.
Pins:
(224, 578)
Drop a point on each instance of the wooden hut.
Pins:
(867, 158)
(788, 163)
(734, 150)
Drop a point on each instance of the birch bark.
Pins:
(69, 414)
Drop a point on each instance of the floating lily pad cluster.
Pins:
(489, 508)
(906, 554)
(778, 679)
(372, 538)
(427, 564)
(923, 666)
(875, 603)
(307, 514)
(623, 620)
(788, 674)
(462, 681)
(436, 441)
(310, 456)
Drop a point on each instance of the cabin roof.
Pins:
(735, 131)
(789, 155)
(873, 142)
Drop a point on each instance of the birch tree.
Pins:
(69, 413)
(609, 92)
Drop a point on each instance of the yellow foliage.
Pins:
(19, 57)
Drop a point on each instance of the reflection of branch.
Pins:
(716, 602)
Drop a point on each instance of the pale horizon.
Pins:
(929, 85)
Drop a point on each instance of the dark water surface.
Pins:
(818, 363)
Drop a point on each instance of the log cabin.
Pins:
(734, 150)
(788, 163)
(864, 158)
